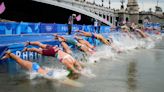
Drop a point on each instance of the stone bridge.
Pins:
(103, 14)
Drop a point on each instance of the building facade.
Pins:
(132, 14)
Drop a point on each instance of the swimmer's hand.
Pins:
(77, 31)
(55, 35)
(76, 72)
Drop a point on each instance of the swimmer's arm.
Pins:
(62, 37)
(72, 68)
(81, 31)
(117, 49)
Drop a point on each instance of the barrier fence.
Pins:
(8, 28)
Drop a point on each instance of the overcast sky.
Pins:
(143, 4)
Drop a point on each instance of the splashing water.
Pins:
(122, 41)
(125, 43)
(88, 73)
(53, 74)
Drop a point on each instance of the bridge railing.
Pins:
(86, 4)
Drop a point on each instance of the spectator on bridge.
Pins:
(70, 23)
(97, 25)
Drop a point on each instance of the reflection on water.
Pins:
(131, 75)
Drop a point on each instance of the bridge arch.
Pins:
(76, 9)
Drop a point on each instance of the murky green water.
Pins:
(136, 71)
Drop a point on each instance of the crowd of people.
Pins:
(65, 55)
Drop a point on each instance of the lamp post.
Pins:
(109, 4)
(102, 2)
(122, 3)
(94, 2)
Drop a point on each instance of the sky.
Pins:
(143, 4)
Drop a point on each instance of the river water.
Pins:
(139, 70)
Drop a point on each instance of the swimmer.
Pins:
(94, 36)
(113, 45)
(126, 29)
(72, 41)
(66, 48)
(54, 51)
(82, 41)
(139, 29)
(99, 37)
(142, 34)
(28, 65)
(48, 74)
